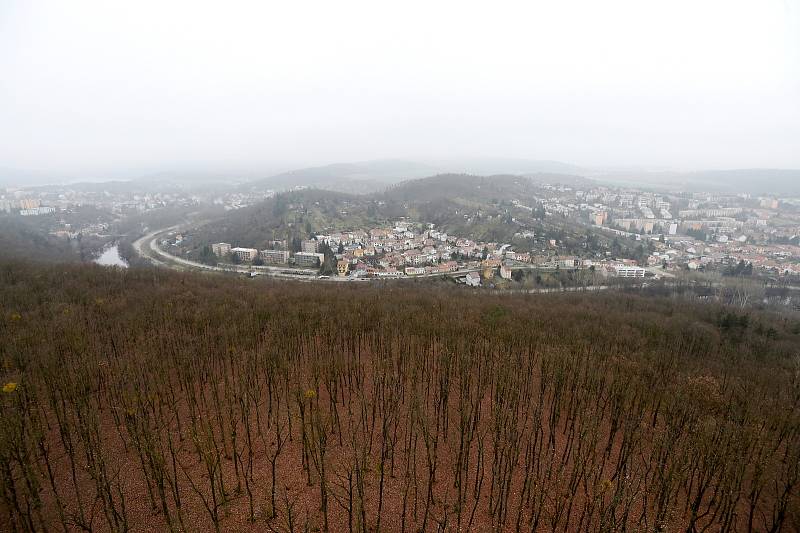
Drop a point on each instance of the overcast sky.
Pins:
(107, 86)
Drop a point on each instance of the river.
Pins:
(111, 257)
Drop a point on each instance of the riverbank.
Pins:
(111, 257)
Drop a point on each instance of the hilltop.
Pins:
(475, 207)
(361, 177)
(287, 215)
(459, 188)
(765, 181)
(300, 213)
(475, 188)
(373, 176)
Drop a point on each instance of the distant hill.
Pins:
(372, 176)
(361, 177)
(474, 188)
(14, 177)
(441, 199)
(453, 187)
(754, 181)
(780, 182)
(203, 177)
(488, 166)
(569, 180)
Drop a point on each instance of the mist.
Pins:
(119, 89)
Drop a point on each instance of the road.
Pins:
(148, 248)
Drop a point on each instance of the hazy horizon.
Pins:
(91, 89)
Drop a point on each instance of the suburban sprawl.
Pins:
(593, 233)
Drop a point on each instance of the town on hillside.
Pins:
(681, 232)
(611, 231)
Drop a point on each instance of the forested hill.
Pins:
(150, 400)
(442, 199)
(21, 239)
(361, 177)
(300, 213)
(464, 187)
(372, 176)
(290, 214)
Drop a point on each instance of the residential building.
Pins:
(221, 249)
(275, 257)
(473, 279)
(309, 246)
(307, 259)
(245, 254)
(414, 257)
(570, 263)
(342, 267)
(448, 266)
(37, 211)
(625, 271)
(600, 218)
(28, 203)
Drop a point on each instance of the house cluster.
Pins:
(694, 231)
(633, 212)
(116, 199)
(404, 250)
(401, 250)
(774, 259)
(409, 249)
(24, 206)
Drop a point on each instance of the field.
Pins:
(147, 400)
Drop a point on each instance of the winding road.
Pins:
(148, 248)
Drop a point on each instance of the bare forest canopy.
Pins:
(31, 238)
(151, 400)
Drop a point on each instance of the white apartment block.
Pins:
(275, 257)
(624, 271)
(245, 254)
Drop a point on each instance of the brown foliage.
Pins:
(150, 400)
